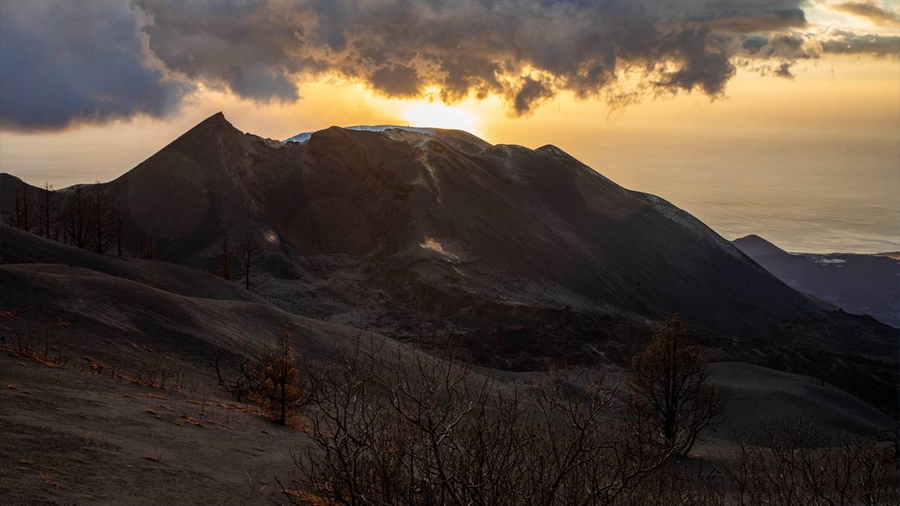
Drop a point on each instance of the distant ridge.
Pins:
(303, 137)
(754, 245)
(856, 283)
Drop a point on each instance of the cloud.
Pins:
(847, 42)
(529, 94)
(784, 70)
(524, 51)
(869, 11)
(777, 19)
(787, 48)
(396, 80)
(77, 62)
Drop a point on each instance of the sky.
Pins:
(775, 117)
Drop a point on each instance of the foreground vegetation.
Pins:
(395, 428)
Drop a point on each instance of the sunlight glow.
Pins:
(440, 116)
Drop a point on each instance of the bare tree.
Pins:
(76, 217)
(144, 246)
(118, 229)
(100, 218)
(277, 384)
(18, 216)
(241, 382)
(223, 260)
(272, 378)
(669, 386)
(248, 251)
(48, 210)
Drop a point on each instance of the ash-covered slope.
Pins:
(450, 223)
(20, 247)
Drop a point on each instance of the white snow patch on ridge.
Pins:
(303, 137)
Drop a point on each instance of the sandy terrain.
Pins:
(70, 437)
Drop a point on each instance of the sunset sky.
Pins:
(756, 116)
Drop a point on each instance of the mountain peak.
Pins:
(217, 119)
(213, 127)
(754, 245)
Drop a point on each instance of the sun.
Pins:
(440, 116)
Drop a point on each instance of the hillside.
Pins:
(19, 247)
(861, 284)
(137, 397)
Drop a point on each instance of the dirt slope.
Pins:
(19, 247)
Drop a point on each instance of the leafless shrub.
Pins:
(160, 377)
(798, 465)
(425, 430)
(40, 347)
(248, 250)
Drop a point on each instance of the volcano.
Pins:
(421, 232)
(449, 222)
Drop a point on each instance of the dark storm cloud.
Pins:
(869, 11)
(529, 94)
(69, 62)
(398, 81)
(249, 47)
(702, 66)
(525, 51)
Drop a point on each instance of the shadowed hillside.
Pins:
(131, 390)
(863, 284)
